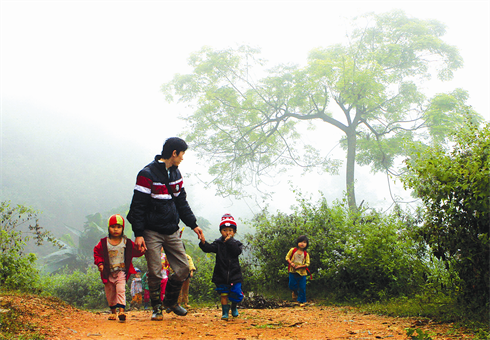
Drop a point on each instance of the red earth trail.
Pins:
(59, 321)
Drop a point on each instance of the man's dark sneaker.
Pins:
(157, 314)
(177, 309)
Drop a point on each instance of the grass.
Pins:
(269, 326)
(443, 309)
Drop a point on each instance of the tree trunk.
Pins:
(350, 167)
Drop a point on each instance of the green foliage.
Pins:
(245, 128)
(424, 305)
(18, 225)
(18, 271)
(433, 306)
(418, 334)
(357, 256)
(454, 186)
(482, 333)
(201, 289)
(74, 256)
(77, 288)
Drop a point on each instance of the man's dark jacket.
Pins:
(153, 207)
(227, 269)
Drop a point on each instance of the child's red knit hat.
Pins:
(227, 221)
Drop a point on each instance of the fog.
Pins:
(82, 111)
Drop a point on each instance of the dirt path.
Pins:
(63, 322)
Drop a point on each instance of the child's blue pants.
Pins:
(297, 283)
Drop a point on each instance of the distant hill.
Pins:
(65, 167)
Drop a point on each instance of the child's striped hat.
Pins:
(116, 219)
(227, 221)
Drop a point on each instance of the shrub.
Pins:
(80, 289)
(18, 225)
(201, 288)
(366, 255)
(454, 186)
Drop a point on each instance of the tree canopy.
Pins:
(368, 88)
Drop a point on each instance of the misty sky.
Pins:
(103, 62)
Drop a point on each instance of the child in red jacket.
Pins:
(113, 256)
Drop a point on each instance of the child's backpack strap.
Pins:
(292, 254)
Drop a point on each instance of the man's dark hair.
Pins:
(303, 238)
(171, 144)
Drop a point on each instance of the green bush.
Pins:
(201, 289)
(366, 255)
(19, 225)
(80, 289)
(374, 258)
(454, 186)
(18, 271)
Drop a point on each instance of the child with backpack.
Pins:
(298, 261)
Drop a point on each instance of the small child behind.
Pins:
(227, 274)
(166, 271)
(146, 290)
(137, 290)
(113, 256)
(184, 292)
(298, 260)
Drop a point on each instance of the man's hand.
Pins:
(140, 244)
(200, 234)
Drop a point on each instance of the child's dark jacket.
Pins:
(227, 269)
(101, 255)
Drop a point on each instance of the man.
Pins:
(159, 202)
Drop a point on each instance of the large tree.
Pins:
(368, 88)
